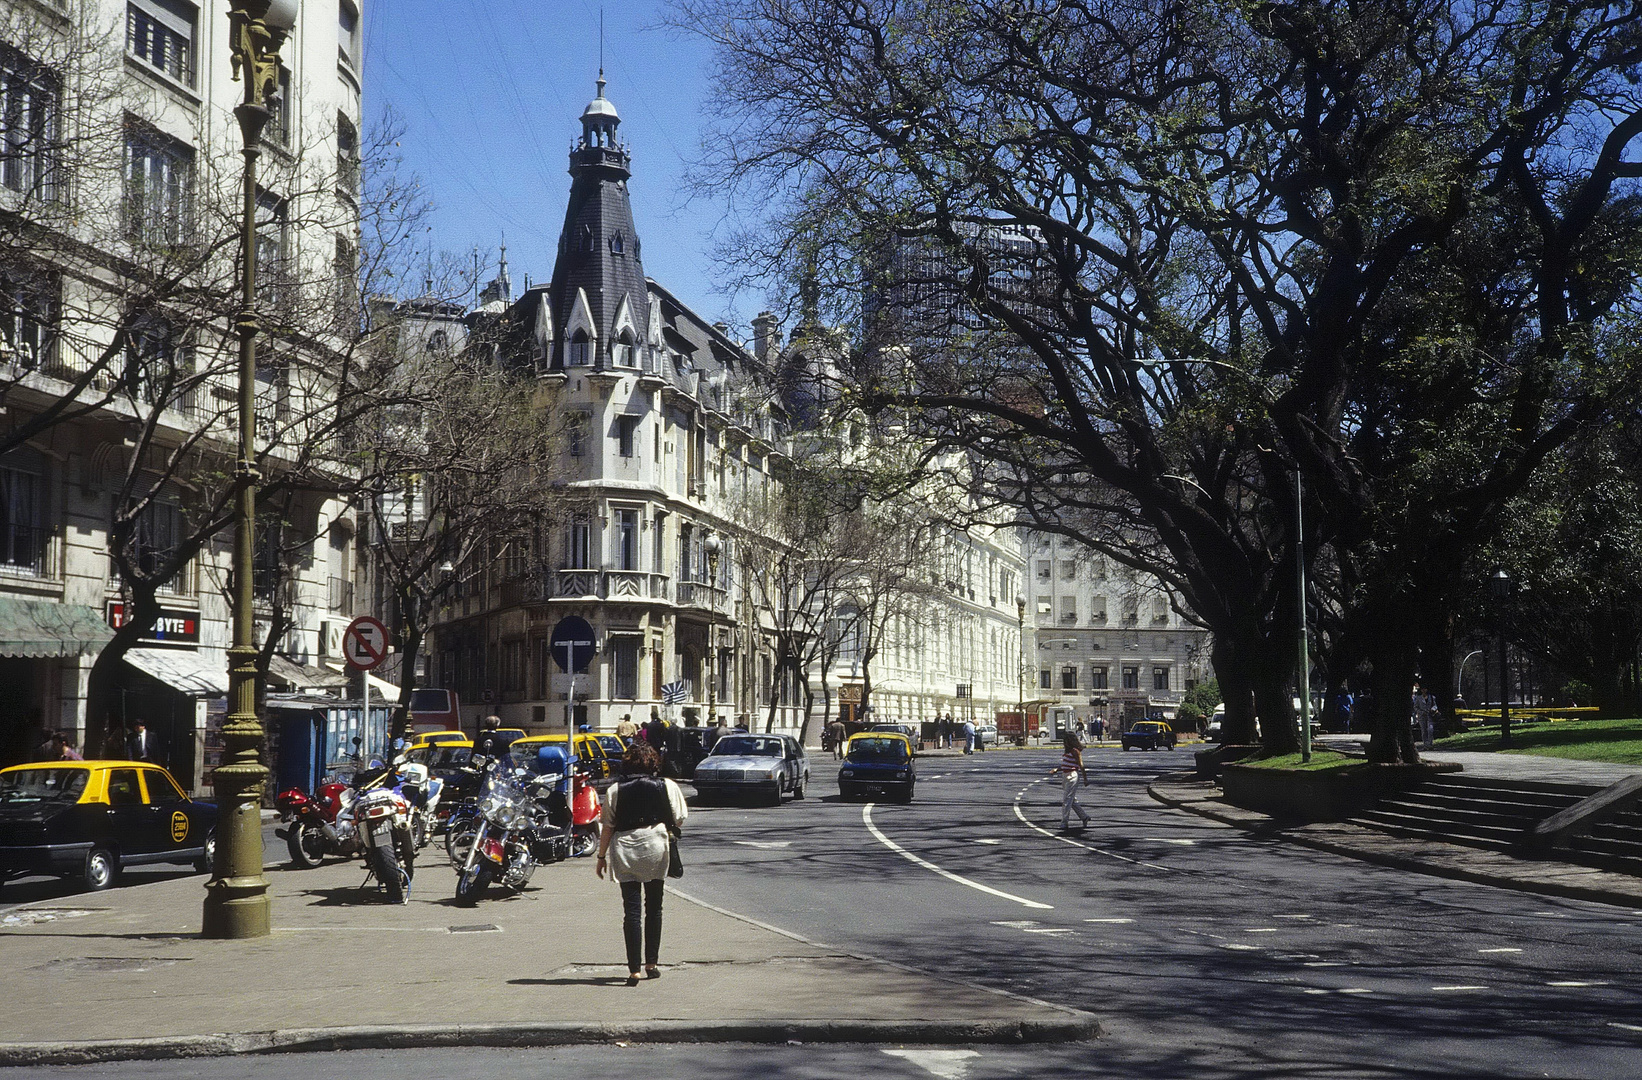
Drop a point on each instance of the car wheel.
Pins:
(208, 858)
(101, 868)
(1127, 748)
(774, 797)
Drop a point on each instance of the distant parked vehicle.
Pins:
(1149, 735)
(761, 765)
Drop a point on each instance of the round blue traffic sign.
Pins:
(572, 643)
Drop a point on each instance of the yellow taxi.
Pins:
(90, 819)
(878, 763)
(424, 740)
(591, 750)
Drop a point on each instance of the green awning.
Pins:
(38, 628)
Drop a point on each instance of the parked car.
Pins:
(591, 752)
(91, 819)
(426, 739)
(1149, 735)
(986, 734)
(759, 765)
(908, 730)
(878, 763)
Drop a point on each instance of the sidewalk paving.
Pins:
(125, 974)
(1550, 877)
(1499, 766)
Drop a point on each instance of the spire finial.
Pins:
(601, 51)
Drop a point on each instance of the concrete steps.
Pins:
(1496, 815)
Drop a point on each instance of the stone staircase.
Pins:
(1497, 814)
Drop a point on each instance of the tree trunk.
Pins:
(1392, 681)
(1236, 690)
(102, 698)
(412, 628)
(1274, 702)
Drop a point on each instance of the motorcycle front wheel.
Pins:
(306, 844)
(585, 842)
(459, 841)
(470, 885)
(386, 868)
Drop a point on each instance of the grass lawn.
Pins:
(1617, 741)
(1320, 760)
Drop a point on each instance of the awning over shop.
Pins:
(40, 628)
(295, 675)
(201, 673)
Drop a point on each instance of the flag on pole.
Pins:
(675, 693)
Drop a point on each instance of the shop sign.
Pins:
(174, 626)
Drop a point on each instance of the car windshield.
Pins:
(449, 757)
(746, 746)
(43, 785)
(877, 750)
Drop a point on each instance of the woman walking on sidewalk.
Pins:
(1072, 774)
(635, 821)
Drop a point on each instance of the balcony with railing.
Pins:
(23, 550)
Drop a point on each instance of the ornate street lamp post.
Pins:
(713, 546)
(1020, 662)
(1500, 588)
(236, 897)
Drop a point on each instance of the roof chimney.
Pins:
(766, 334)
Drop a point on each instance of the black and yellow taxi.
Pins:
(90, 819)
(424, 739)
(878, 763)
(591, 750)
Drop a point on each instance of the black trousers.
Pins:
(650, 939)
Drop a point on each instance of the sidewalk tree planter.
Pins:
(1329, 788)
(1211, 761)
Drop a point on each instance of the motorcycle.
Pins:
(319, 825)
(384, 817)
(503, 845)
(423, 792)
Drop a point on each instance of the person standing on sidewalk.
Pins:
(640, 812)
(1072, 774)
(835, 732)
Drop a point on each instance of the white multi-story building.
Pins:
(1110, 644)
(667, 426)
(119, 193)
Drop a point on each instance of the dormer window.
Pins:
(587, 238)
(624, 350)
(615, 243)
(578, 349)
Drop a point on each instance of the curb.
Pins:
(1416, 865)
(553, 1033)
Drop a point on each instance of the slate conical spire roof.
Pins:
(598, 285)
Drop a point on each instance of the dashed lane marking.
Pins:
(763, 844)
(1575, 982)
(866, 819)
(1109, 920)
(1627, 1027)
(1032, 926)
(1484, 951)
(1449, 988)
(986, 841)
(1261, 930)
(1240, 948)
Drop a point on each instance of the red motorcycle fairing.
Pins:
(585, 806)
(291, 802)
(494, 850)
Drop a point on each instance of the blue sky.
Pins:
(491, 92)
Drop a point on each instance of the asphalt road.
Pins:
(1206, 953)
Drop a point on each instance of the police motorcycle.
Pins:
(384, 813)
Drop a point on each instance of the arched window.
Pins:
(438, 342)
(578, 349)
(616, 243)
(587, 238)
(624, 350)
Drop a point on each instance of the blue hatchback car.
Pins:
(878, 763)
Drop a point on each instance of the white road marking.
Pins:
(1355, 990)
(1627, 1027)
(1244, 948)
(1497, 950)
(1291, 916)
(947, 1064)
(1168, 840)
(1069, 840)
(763, 844)
(1261, 930)
(866, 818)
(1575, 982)
(1326, 963)
(986, 841)
(1110, 920)
(1446, 988)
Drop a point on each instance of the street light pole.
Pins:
(713, 546)
(1305, 649)
(1020, 661)
(1499, 586)
(236, 897)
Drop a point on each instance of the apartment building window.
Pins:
(576, 435)
(1068, 570)
(30, 105)
(513, 667)
(1045, 679)
(29, 315)
(272, 239)
(626, 428)
(578, 554)
(1160, 678)
(1131, 678)
(1044, 569)
(155, 538)
(1097, 610)
(159, 177)
(1069, 610)
(347, 157)
(1069, 677)
(624, 351)
(159, 364)
(347, 33)
(627, 539)
(1097, 678)
(22, 535)
(580, 346)
(278, 129)
(344, 279)
(160, 33)
(626, 664)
